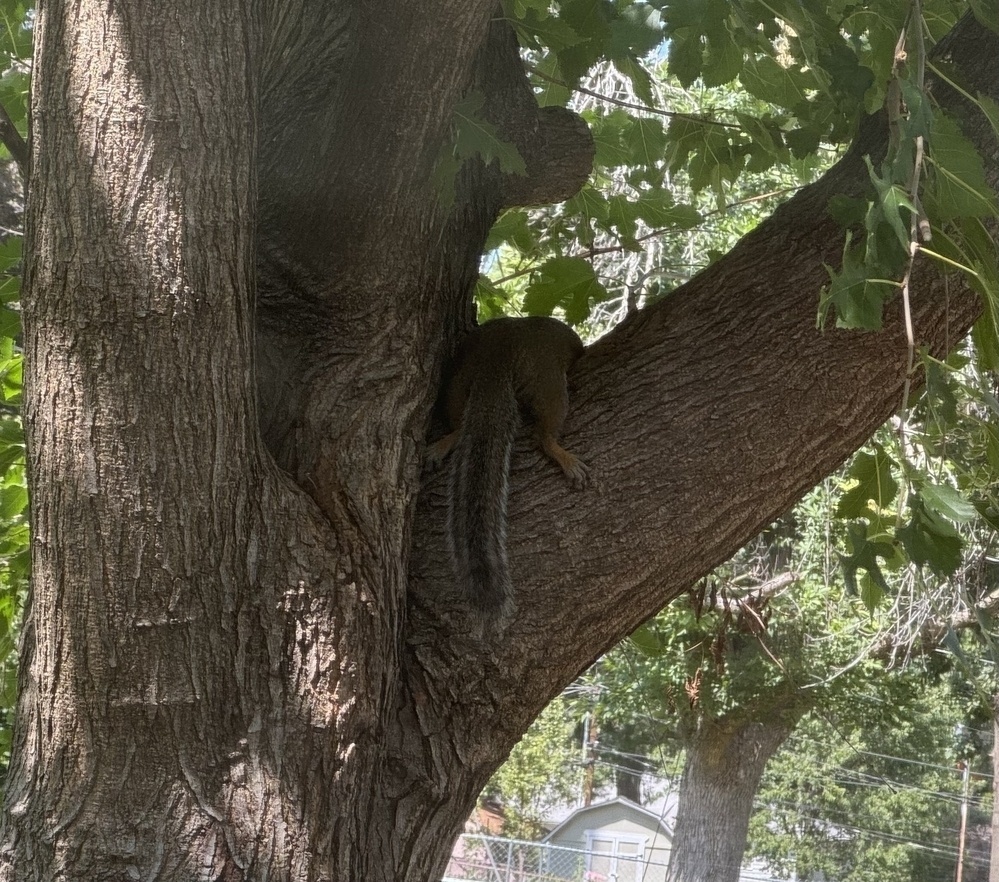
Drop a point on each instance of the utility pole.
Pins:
(965, 779)
(590, 734)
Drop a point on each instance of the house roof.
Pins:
(630, 807)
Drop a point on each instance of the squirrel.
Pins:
(502, 367)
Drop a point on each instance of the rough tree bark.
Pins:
(244, 657)
(724, 763)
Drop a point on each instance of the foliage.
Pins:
(814, 656)
(923, 492)
(724, 651)
(541, 773)
(15, 52)
(750, 88)
(870, 797)
(760, 99)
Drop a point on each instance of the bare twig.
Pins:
(13, 141)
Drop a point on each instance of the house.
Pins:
(487, 817)
(622, 841)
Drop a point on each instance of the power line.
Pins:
(918, 844)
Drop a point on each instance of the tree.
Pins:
(872, 797)
(244, 656)
(732, 672)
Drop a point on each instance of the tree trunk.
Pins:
(236, 261)
(628, 782)
(721, 775)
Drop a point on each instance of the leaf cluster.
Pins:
(923, 492)
(696, 105)
(16, 32)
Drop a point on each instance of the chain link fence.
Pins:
(492, 859)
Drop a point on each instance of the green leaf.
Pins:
(873, 483)
(537, 29)
(645, 140)
(635, 32)
(766, 136)
(850, 80)
(659, 211)
(991, 111)
(10, 252)
(568, 283)
(10, 322)
(476, 136)
(20, 564)
(647, 641)
(549, 89)
(892, 199)
(918, 121)
(871, 592)
(864, 556)
(623, 216)
(987, 13)
(946, 501)
(11, 431)
(608, 131)
(13, 502)
(957, 187)
(685, 55)
(723, 58)
(858, 300)
(641, 79)
(513, 227)
(929, 540)
(589, 21)
(803, 141)
(705, 150)
(9, 456)
(769, 81)
(590, 203)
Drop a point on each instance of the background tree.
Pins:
(240, 603)
(877, 796)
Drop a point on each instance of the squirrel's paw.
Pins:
(577, 473)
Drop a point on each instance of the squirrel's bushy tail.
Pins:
(480, 466)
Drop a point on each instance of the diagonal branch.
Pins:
(703, 418)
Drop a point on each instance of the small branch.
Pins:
(919, 229)
(933, 630)
(615, 249)
(728, 601)
(13, 141)
(630, 105)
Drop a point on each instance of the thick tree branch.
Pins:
(703, 418)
